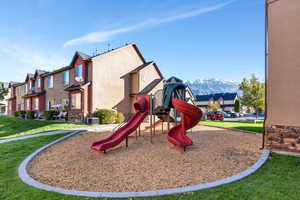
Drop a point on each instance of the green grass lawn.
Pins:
(14, 127)
(258, 127)
(277, 179)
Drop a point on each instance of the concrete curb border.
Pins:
(102, 128)
(26, 178)
(35, 135)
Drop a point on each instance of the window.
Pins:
(50, 82)
(78, 73)
(49, 105)
(36, 104)
(221, 101)
(76, 101)
(28, 104)
(30, 85)
(65, 77)
(26, 88)
(65, 101)
(39, 83)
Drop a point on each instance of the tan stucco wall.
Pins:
(147, 75)
(112, 83)
(283, 81)
(110, 90)
(159, 86)
(202, 102)
(229, 102)
(135, 82)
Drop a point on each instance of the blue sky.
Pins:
(191, 39)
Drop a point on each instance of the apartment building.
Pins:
(226, 101)
(109, 80)
(283, 70)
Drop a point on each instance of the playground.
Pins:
(215, 154)
(161, 146)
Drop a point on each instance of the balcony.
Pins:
(31, 90)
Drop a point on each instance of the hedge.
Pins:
(30, 114)
(17, 113)
(20, 113)
(106, 116)
(23, 114)
(120, 118)
(49, 114)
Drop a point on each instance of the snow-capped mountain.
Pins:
(211, 86)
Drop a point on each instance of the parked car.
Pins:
(232, 114)
(226, 115)
(241, 114)
(215, 115)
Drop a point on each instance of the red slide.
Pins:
(119, 135)
(191, 116)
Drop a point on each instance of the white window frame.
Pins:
(81, 75)
(39, 83)
(36, 104)
(66, 77)
(28, 104)
(49, 105)
(76, 104)
(51, 81)
(221, 101)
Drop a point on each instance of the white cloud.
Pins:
(102, 36)
(32, 58)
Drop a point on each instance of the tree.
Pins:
(3, 91)
(237, 106)
(213, 107)
(253, 93)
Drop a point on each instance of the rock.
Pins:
(289, 140)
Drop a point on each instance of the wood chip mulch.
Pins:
(216, 154)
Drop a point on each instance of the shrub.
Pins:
(17, 114)
(106, 116)
(120, 118)
(22, 114)
(237, 106)
(49, 114)
(30, 114)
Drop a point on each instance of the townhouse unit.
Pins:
(282, 124)
(3, 102)
(225, 100)
(109, 80)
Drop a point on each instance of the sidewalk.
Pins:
(88, 128)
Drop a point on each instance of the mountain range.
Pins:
(212, 86)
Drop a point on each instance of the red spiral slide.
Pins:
(141, 107)
(191, 116)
